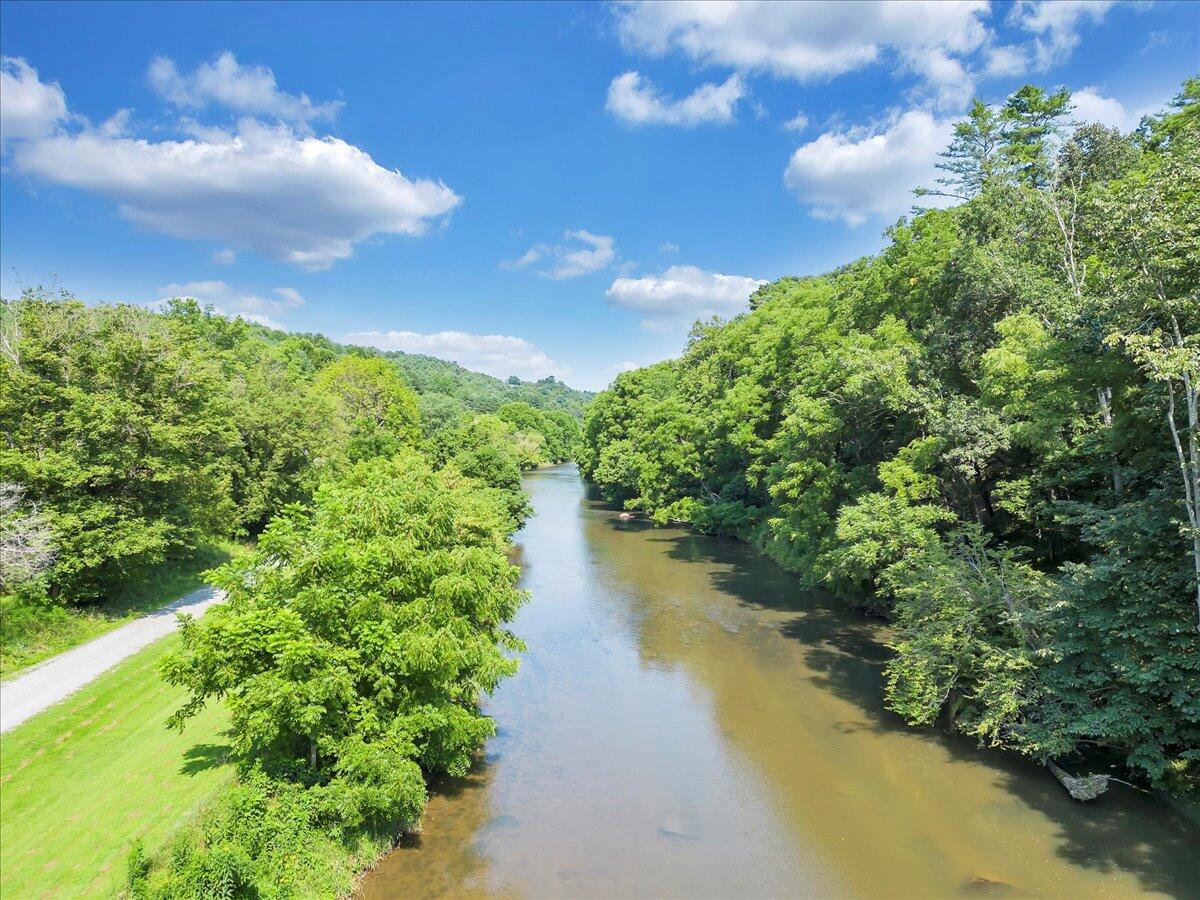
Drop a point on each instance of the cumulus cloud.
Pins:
(1091, 106)
(950, 82)
(946, 44)
(1056, 24)
(289, 296)
(810, 41)
(853, 175)
(581, 253)
(634, 100)
(31, 108)
(798, 122)
(684, 292)
(232, 302)
(290, 197)
(280, 192)
(1005, 61)
(500, 355)
(246, 90)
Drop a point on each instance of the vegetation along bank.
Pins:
(986, 433)
(363, 625)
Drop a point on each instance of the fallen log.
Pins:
(1083, 788)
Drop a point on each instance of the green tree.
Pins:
(1031, 117)
(373, 407)
(359, 638)
(117, 425)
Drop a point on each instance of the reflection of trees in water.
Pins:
(443, 859)
(843, 654)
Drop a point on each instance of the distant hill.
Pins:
(429, 375)
(446, 386)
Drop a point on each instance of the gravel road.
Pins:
(60, 676)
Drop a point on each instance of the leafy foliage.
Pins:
(361, 633)
(989, 433)
(352, 652)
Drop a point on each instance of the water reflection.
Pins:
(689, 722)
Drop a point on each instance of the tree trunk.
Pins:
(1189, 466)
(1105, 396)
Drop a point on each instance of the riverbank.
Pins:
(689, 721)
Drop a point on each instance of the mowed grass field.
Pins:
(84, 779)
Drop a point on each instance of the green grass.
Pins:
(82, 780)
(31, 632)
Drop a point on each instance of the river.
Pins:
(689, 722)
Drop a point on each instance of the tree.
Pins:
(482, 448)
(975, 155)
(26, 549)
(359, 638)
(117, 425)
(375, 410)
(1032, 117)
(1151, 235)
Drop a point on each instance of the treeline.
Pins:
(362, 631)
(987, 433)
(130, 436)
(442, 384)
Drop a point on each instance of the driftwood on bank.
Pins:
(1085, 787)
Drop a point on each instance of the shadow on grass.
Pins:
(203, 757)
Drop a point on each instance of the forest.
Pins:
(362, 628)
(986, 434)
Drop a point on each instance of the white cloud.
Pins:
(246, 90)
(852, 175)
(226, 256)
(526, 259)
(1005, 61)
(684, 292)
(569, 259)
(289, 296)
(810, 41)
(283, 193)
(1056, 23)
(669, 247)
(638, 102)
(1091, 106)
(946, 77)
(299, 199)
(230, 301)
(1156, 39)
(31, 108)
(500, 355)
(583, 261)
(798, 122)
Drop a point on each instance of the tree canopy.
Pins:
(987, 433)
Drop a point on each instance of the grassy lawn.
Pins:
(33, 633)
(82, 780)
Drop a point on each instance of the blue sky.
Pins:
(532, 189)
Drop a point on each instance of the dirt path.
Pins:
(60, 676)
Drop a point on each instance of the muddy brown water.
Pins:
(689, 722)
